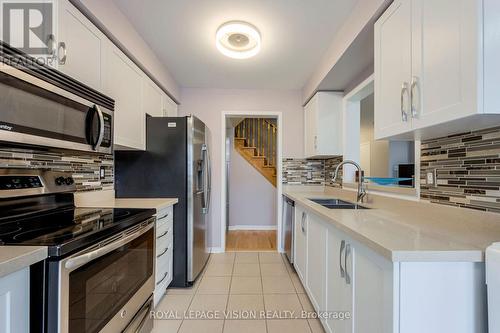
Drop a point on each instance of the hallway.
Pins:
(250, 240)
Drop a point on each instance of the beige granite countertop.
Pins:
(106, 199)
(157, 204)
(404, 230)
(14, 258)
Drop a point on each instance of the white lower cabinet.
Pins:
(338, 292)
(300, 243)
(316, 262)
(14, 302)
(373, 287)
(362, 291)
(164, 252)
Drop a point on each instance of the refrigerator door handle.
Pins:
(209, 181)
(204, 152)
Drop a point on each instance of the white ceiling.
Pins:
(295, 35)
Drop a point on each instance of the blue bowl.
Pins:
(386, 181)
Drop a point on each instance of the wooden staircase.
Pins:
(255, 140)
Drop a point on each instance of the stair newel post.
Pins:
(249, 136)
(268, 142)
(271, 143)
(254, 132)
(252, 127)
(266, 150)
(258, 138)
(274, 145)
(246, 131)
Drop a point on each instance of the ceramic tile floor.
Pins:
(236, 284)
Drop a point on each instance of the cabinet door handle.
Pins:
(347, 254)
(315, 142)
(51, 45)
(414, 108)
(302, 222)
(404, 90)
(62, 60)
(342, 247)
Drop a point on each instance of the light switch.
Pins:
(102, 172)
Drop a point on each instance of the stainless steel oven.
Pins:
(108, 287)
(62, 113)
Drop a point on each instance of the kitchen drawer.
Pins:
(161, 288)
(163, 263)
(164, 238)
(165, 216)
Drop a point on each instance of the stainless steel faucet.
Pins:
(361, 185)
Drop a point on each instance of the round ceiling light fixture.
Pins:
(238, 40)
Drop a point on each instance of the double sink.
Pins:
(337, 204)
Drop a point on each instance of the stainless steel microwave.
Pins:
(43, 107)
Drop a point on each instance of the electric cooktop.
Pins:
(68, 229)
(37, 208)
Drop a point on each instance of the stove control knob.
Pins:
(60, 181)
(69, 181)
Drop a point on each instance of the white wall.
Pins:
(208, 105)
(116, 23)
(252, 198)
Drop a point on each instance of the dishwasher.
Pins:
(288, 226)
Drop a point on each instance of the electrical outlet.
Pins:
(102, 172)
(431, 177)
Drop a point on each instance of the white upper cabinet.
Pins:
(169, 106)
(84, 53)
(431, 68)
(393, 70)
(323, 125)
(152, 98)
(445, 60)
(79, 46)
(123, 83)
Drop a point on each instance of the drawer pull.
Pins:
(164, 216)
(162, 279)
(165, 251)
(162, 235)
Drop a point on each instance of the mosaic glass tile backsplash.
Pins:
(309, 172)
(467, 167)
(85, 168)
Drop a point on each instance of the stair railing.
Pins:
(260, 134)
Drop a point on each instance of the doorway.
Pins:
(251, 182)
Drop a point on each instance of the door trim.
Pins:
(279, 186)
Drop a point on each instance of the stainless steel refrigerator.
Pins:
(176, 164)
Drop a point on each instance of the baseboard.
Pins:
(216, 250)
(252, 227)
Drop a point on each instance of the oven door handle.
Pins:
(82, 259)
